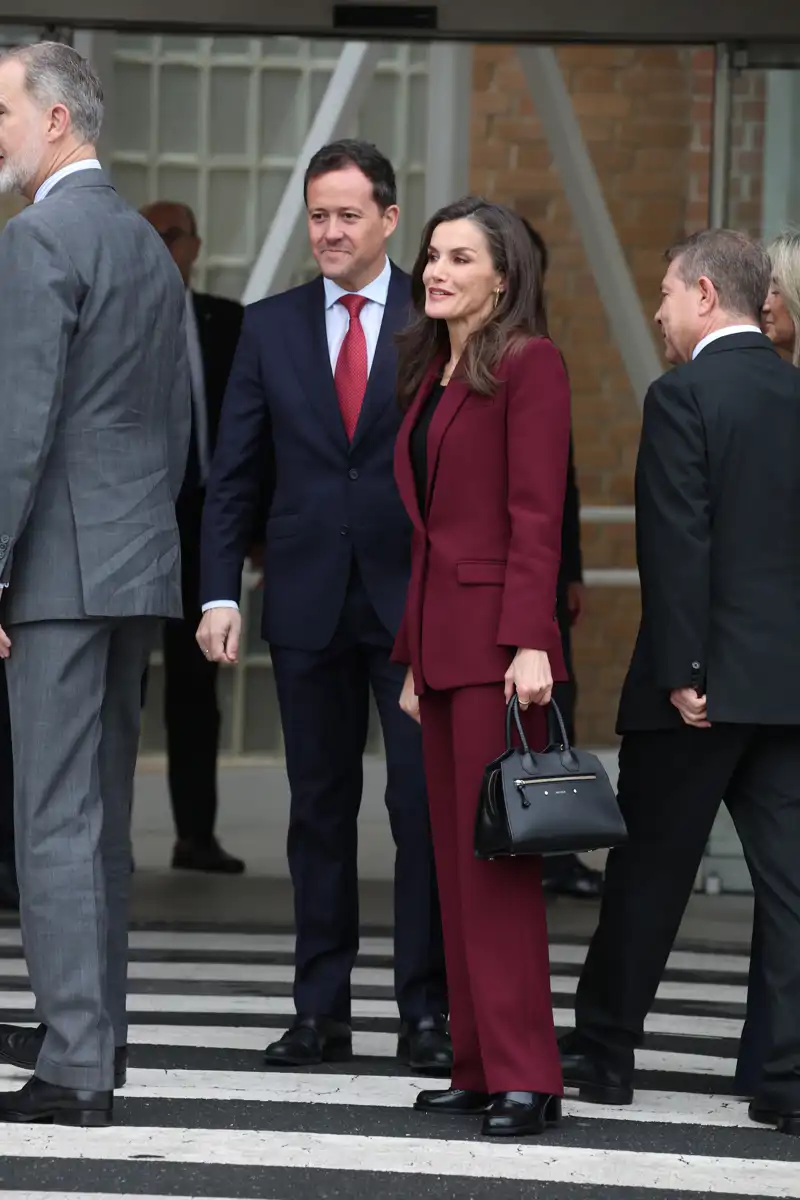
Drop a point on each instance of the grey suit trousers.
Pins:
(74, 696)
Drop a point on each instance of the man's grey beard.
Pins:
(17, 174)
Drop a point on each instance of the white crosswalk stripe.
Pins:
(202, 1116)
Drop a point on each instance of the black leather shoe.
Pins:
(424, 1045)
(573, 878)
(21, 1048)
(783, 1121)
(311, 1041)
(51, 1104)
(457, 1101)
(520, 1114)
(209, 857)
(596, 1082)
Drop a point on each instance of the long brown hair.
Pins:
(518, 316)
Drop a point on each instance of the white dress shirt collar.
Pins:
(718, 333)
(377, 291)
(86, 164)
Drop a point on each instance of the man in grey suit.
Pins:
(95, 400)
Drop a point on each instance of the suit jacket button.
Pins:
(695, 666)
(5, 539)
(353, 473)
(344, 530)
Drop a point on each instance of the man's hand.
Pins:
(5, 644)
(530, 676)
(576, 601)
(219, 633)
(691, 707)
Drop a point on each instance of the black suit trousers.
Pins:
(670, 787)
(6, 780)
(191, 712)
(324, 703)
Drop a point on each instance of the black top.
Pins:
(418, 444)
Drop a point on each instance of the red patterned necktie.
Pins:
(350, 375)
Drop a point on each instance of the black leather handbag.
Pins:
(550, 803)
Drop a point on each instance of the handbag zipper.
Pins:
(521, 784)
(550, 779)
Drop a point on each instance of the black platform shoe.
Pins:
(458, 1102)
(521, 1114)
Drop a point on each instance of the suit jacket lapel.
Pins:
(454, 396)
(382, 385)
(312, 363)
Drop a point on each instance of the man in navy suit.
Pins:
(311, 406)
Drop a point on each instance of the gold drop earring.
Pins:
(497, 295)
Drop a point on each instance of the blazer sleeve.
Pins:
(538, 425)
(673, 532)
(571, 557)
(237, 477)
(41, 298)
(180, 413)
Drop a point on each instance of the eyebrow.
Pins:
(457, 249)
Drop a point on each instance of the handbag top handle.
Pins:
(512, 710)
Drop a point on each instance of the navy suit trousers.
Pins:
(324, 702)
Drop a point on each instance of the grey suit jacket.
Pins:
(94, 409)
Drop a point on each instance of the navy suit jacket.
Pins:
(281, 438)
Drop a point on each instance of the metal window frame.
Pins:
(548, 21)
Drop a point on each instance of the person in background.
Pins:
(191, 711)
(96, 428)
(312, 409)
(481, 464)
(9, 892)
(567, 874)
(710, 707)
(780, 320)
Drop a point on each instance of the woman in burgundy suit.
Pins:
(481, 464)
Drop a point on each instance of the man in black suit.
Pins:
(9, 892)
(312, 406)
(711, 705)
(191, 712)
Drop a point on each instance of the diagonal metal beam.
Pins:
(338, 109)
(449, 97)
(553, 103)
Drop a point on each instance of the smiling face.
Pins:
(23, 132)
(776, 320)
(347, 229)
(460, 278)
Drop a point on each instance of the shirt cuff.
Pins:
(221, 604)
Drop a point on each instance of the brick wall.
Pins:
(646, 116)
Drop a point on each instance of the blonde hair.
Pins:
(784, 253)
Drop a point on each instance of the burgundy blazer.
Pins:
(485, 553)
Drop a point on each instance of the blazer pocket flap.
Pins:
(481, 572)
(281, 527)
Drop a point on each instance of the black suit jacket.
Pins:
(571, 570)
(219, 323)
(718, 539)
(328, 501)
